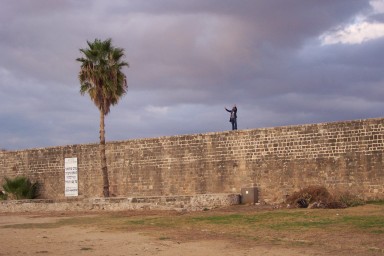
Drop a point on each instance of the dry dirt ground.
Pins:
(106, 233)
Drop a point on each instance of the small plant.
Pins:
(19, 188)
(350, 200)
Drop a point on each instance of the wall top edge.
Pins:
(367, 120)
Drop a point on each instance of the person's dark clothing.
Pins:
(233, 118)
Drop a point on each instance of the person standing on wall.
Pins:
(233, 118)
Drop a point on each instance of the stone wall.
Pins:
(341, 156)
(174, 203)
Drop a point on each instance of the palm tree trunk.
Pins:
(103, 156)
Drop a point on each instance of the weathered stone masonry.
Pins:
(341, 156)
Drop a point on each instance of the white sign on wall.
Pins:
(71, 182)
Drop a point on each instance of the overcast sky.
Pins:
(282, 62)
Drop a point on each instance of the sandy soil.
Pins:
(70, 240)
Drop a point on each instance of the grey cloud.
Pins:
(376, 18)
(188, 59)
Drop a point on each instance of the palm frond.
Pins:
(101, 73)
(20, 188)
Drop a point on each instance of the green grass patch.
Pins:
(246, 219)
(219, 219)
(138, 222)
(376, 202)
(299, 225)
(245, 224)
(373, 223)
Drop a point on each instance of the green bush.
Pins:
(19, 188)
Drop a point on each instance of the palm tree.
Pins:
(18, 188)
(101, 77)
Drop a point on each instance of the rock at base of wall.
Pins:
(179, 203)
